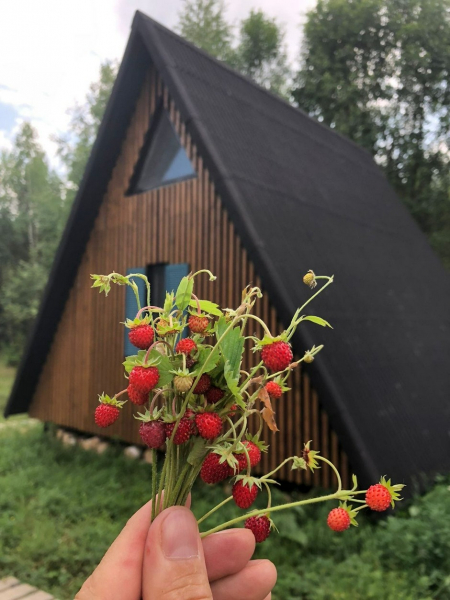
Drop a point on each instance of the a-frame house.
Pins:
(197, 167)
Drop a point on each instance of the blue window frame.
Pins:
(162, 160)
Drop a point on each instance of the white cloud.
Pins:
(50, 51)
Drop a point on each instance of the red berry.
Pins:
(274, 390)
(241, 466)
(254, 453)
(198, 324)
(260, 527)
(209, 425)
(183, 433)
(136, 396)
(144, 379)
(212, 470)
(141, 336)
(203, 385)
(214, 394)
(378, 497)
(233, 410)
(106, 415)
(277, 356)
(338, 519)
(185, 346)
(190, 362)
(153, 433)
(243, 495)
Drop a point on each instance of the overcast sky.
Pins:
(51, 50)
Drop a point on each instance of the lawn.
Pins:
(60, 509)
(6, 380)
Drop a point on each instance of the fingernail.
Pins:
(180, 534)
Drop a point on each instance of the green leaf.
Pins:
(317, 320)
(198, 452)
(203, 355)
(184, 293)
(168, 303)
(208, 307)
(165, 366)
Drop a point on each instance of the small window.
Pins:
(163, 278)
(163, 160)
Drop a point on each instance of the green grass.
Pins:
(61, 508)
(7, 375)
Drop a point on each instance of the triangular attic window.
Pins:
(163, 160)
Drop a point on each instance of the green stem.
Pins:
(325, 460)
(154, 481)
(180, 482)
(268, 475)
(213, 510)
(161, 486)
(264, 511)
(291, 329)
(269, 493)
(260, 321)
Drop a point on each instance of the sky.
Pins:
(51, 50)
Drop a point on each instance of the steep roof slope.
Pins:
(303, 197)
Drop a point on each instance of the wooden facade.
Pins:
(181, 223)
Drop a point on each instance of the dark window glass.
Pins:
(163, 160)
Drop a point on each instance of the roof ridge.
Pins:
(140, 15)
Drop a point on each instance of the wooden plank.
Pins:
(39, 595)
(7, 582)
(17, 591)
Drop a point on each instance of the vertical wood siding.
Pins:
(185, 222)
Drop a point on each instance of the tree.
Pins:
(75, 147)
(33, 211)
(261, 54)
(377, 71)
(203, 23)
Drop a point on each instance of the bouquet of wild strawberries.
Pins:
(187, 374)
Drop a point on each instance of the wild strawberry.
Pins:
(141, 336)
(378, 497)
(212, 470)
(233, 410)
(214, 394)
(203, 385)
(198, 324)
(274, 389)
(190, 362)
(241, 464)
(277, 356)
(144, 379)
(183, 433)
(153, 433)
(163, 328)
(243, 495)
(136, 396)
(209, 425)
(338, 519)
(182, 383)
(106, 415)
(260, 527)
(185, 346)
(254, 453)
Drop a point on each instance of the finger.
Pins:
(174, 565)
(227, 552)
(254, 582)
(118, 576)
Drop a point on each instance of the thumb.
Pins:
(174, 566)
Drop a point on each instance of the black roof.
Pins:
(301, 196)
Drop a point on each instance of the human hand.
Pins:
(169, 561)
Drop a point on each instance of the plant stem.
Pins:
(325, 460)
(154, 481)
(213, 510)
(264, 511)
